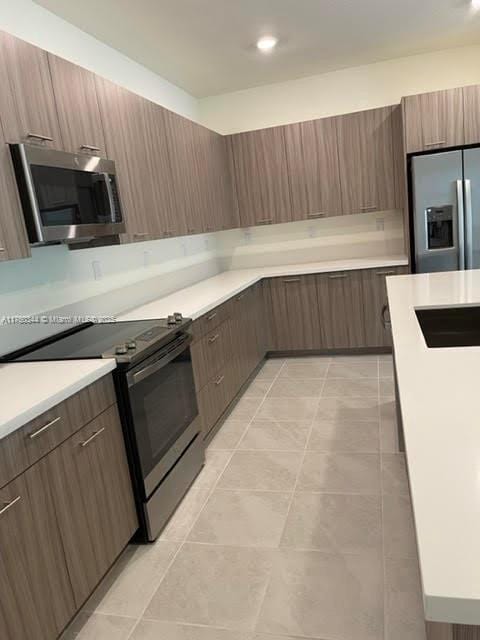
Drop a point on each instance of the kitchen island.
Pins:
(438, 394)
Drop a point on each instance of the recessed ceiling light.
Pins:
(268, 43)
(476, 4)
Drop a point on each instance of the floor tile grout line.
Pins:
(382, 516)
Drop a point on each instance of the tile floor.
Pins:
(299, 526)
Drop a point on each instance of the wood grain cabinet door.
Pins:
(93, 500)
(220, 212)
(77, 106)
(126, 139)
(471, 103)
(27, 102)
(313, 169)
(294, 313)
(367, 166)
(259, 164)
(36, 599)
(341, 309)
(434, 120)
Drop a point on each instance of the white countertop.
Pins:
(200, 298)
(439, 393)
(30, 388)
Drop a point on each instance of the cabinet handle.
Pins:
(9, 505)
(167, 234)
(432, 144)
(372, 207)
(212, 316)
(385, 273)
(340, 276)
(320, 214)
(265, 221)
(191, 230)
(220, 380)
(38, 432)
(292, 280)
(2, 249)
(92, 437)
(89, 147)
(385, 323)
(39, 136)
(140, 234)
(214, 338)
(241, 296)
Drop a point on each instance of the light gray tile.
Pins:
(95, 626)
(340, 473)
(215, 463)
(322, 595)
(353, 388)
(213, 585)
(385, 357)
(245, 408)
(270, 369)
(357, 437)
(394, 474)
(387, 389)
(242, 518)
(362, 369)
(275, 435)
(185, 515)
(156, 630)
(335, 523)
(341, 409)
(257, 388)
(385, 368)
(288, 409)
(388, 411)
(262, 470)
(295, 388)
(229, 434)
(355, 359)
(308, 369)
(398, 527)
(404, 615)
(127, 589)
(388, 426)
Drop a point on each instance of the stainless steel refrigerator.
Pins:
(446, 210)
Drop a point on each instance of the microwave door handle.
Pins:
(468, 225)
(460, 225)
(111, 201)
(138, 376)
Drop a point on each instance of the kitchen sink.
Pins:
(450, 326)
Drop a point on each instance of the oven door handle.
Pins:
(138, 376)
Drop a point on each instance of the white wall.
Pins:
(27, 20)
(344, 91)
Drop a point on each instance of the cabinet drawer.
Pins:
(211, 320)
(214, 398)
(31, 442)
(210, 354)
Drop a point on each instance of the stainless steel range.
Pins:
(157, 402)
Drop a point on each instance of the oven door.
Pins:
(163, 409)
(67, 196)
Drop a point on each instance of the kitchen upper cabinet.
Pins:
(36, 599)
(434, 120)
(313, 168)
(471, 102)
(220, 212)
(127, 141)
(341, 309)
(77, 106)
(27, 103)
(13, 235)
(93, 500)
(367, 166)
(294, 314)
(260, 171)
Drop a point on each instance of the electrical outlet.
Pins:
(311, 232)
(380, 224)
(207, 242)
(146, 258)
(183, 247)
(247, 234)
(97, 269)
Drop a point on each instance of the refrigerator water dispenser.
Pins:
(439, 223)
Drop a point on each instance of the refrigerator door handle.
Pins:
(460, 226)
(468, 225)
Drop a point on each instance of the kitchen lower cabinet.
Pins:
(294, 315)
(93, 500)
(36, 598)
(341, 310)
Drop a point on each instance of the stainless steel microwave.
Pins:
(66, 197)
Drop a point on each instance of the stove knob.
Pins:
(178, 317)
(131, 344)
(121, 349)
(171, 320)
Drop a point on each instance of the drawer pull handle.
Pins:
(38, 432)
(212, 316)
(39, 136)
(341, 276)
(168, 234)
(219, 381)
(241, 296)
(140, 234)
(372, 207)
(265, 221)
(385, 273)
(385, 323)
(9, 505)
(92, 437)
(191, 230)
(292, 280)
(320, 214)
(89, 147)
(432, 144)
(2, 249)
(213, 338)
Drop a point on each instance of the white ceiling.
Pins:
(207, 46)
